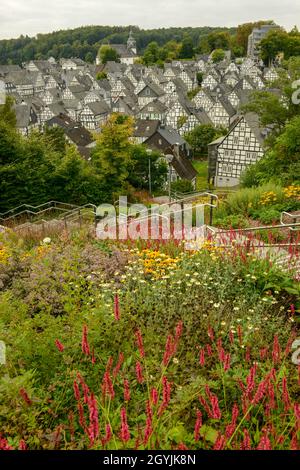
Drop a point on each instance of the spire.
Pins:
(131, 42)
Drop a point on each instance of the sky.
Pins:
(41, 16)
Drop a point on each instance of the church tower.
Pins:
(131, 43)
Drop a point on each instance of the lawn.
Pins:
(201, 167)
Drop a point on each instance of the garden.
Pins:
(145, 345)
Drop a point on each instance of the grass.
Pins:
(201, 167)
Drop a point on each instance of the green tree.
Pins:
(217, 55)
(108, 54)
(111, 155)
(139, 168)
(187, 48)
(151, 55)
(201, 136)
(7, 113)
(281, 163)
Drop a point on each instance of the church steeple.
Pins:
(131, 43)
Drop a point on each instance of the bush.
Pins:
(182, 186)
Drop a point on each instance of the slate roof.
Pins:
(74, 130)
(145, 127)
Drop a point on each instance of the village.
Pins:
(166, 103)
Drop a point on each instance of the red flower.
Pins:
(126, 390)
(264, 443)
(210, 333)
(107, 386)
(154, 396)
(182, 446)
(116, 307)
(220, 442)
(76, 390)
(246, 444)
(125, 435)
(84, 342)
(25, 396)
(285, 395)
(93, 429)
(108, 435)
(202, 357)
(22, 445)
(59, 345)
(139, 340)
(276, 350)
(178, 330)
(198, 425)
(119, 365)
(139, 372)
(169, 350)
(4, 444)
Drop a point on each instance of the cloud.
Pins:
(36, 16)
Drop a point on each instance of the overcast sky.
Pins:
(38, 16)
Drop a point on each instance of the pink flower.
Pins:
(59, 345)
(246, 444)
(108, 435)
(198, 425)
(22, 445)
(126, 390)
(285, 395)
(4, 444)
(166, 395)
(107, 386)
(226, 365)
(220, 442)
(234, 416)
(154, 396)
(178, 330)
(210, 333)
(125, 435)
(93, 429)
(76, 390)
(25, 396)
(276, 350)
(84, 342)
(139, 340)
(119, 365)
(264, 443)
(139, 372)
(202, 357)
(169, 350)
(116, 307)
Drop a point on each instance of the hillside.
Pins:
(84, 42)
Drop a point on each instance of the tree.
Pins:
(111, 155)
(274, 43)
(281, 163)
(139, 168)
(201, 136)
(219, 40)
(151, 54)
(245, 29)
(276, 109)
(7, 113)
(187, 48)
(89, 57)
(199, 78)
(217, 55)
(108, 54)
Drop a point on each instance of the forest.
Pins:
(84, 42)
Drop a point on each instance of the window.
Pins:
(247, 140)
(159, 142)
(236, 140)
